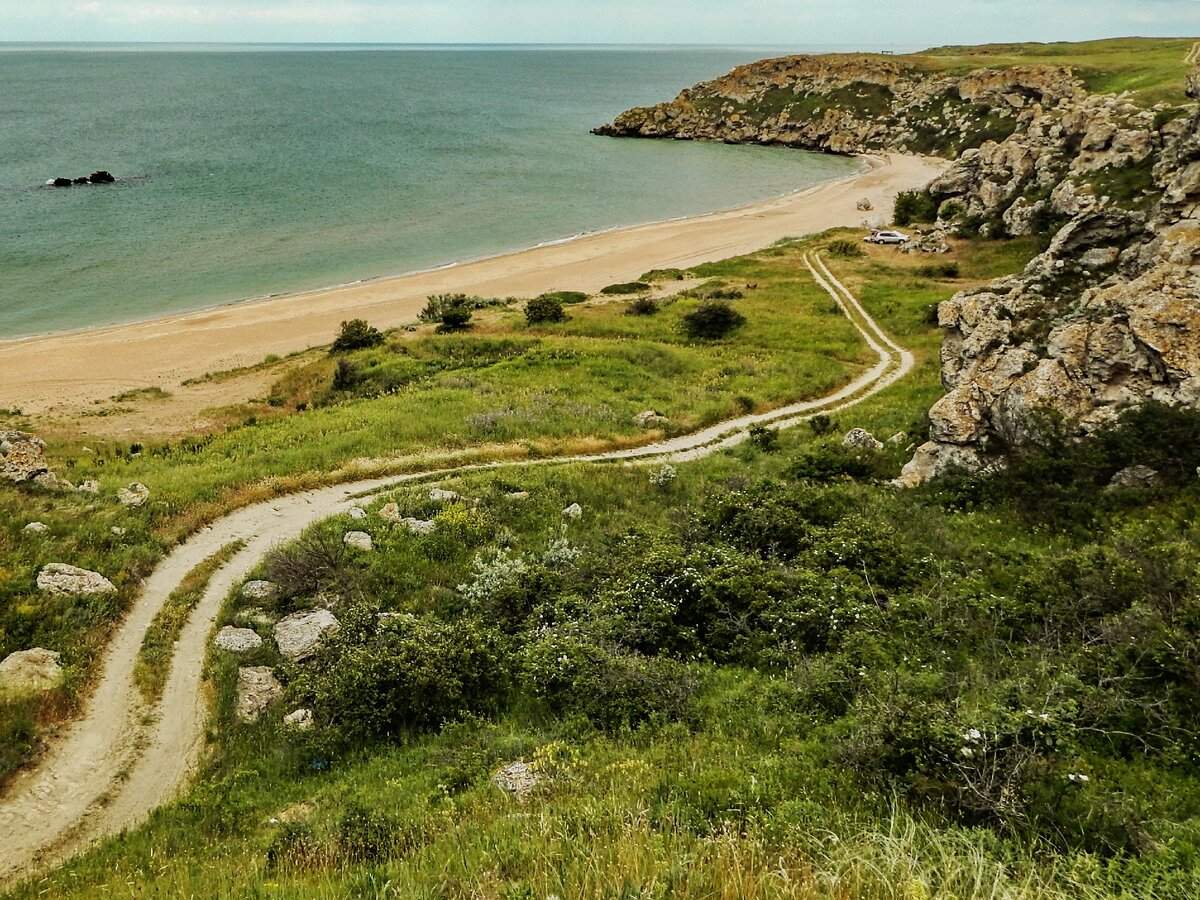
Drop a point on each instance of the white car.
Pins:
(887, 237)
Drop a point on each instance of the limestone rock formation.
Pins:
(301, 634)
(574, 511)
(419, 526)
(134, 495)
(22, 456)
(438, 495)
(257, 688)
(60, 578)
(861, 439)
(358, 540)
(30, 672)
(237, 640)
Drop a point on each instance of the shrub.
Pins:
(567, 297)
(641, 306)
(318, 560)
(356, 334)
(544, 309)
(764, 438)
(345, 375)
(915, 206)
(942, 270)
(822, 425)
(365, 835)
(712, 320)
(626, 287)
(844, 249)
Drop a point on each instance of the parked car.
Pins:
(887, 237)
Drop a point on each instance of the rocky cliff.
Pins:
(1107, 317)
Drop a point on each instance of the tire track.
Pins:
(124, 759)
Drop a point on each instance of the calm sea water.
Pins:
(246, 173)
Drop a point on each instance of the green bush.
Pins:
(566, 297)
(356, 334)
(844, 249)
(641, 306)
(941, 270)
(454, 317)
(915, 206)
(711, 320)
(626, 287)
(543, 310)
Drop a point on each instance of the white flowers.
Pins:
(973, 735)
(1078, 778)
(492, 574)
(664, 476)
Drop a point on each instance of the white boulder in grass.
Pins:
(358, 540)
(419, 526)
(301, 634)
(28, 672)
(237, 640)
(574, 511)
(299, 719)
(36, 528)
(60, 578)
(390, 512)
(862, 439)
(257, 688)
(134, 495)
(356, 512)
(259, 590)
(438, 495)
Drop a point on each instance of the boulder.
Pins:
(441, 496)
(22, 456)
(390, 512)
(257, 688)
(516, 778)
(60, 182)
(48, 481)
(933, 459)
(301, 634)
(1136, 478)
(100, 176)
(861, 439)
(358, 540)
(356, 512)
(91, 486)
(517, 495)
(299, 719)
(649, 418)
(419, 526)
(259, 590)
(117, 531)
(35, 528)
(30, 672)
(60, 578)
(574, 511)
(237, 640)
(134, 495)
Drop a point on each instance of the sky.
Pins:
(802, 23)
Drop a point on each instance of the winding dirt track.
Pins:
(123, 760)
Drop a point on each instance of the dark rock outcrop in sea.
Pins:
(100, 176)
(1106, 318)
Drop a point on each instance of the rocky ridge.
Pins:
(1107, 317)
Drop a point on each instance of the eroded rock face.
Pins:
(30, 672)
(60, 578)
(22, 456)
(301, 634)
(257, 689)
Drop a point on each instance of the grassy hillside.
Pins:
(768, 675)
(1153, 68)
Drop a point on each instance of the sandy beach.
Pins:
(65, 373)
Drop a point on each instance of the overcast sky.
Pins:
(757, 22)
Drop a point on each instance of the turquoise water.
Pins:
(246, 173)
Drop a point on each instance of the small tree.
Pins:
(544, 309)
(641, 306)
(455, 316)
(915, 206)
(712, 320)
(356, 334)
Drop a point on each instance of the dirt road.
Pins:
(122, 760)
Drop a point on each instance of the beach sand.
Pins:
(61, 375)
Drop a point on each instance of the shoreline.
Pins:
(61, 371)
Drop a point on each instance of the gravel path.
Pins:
(123, 759)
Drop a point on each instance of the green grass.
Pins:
(154, 659)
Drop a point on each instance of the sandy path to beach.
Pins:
(67, 373)
(122, 760)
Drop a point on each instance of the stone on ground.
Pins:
(22, 456)
(1136, 478)
(516, 778)
(442, 496)
(574, 511)
(862, 439)
(29, 672)
(356, 512)
(259, 590)
(60, 578)
(419, 526)
(300, 719)
(358, 540)
(134, 495)
(301, 634)
(36, 528)
(391, 512)
(237, 640)
(257, 688)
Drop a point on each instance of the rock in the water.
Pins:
(22, 456)
(257, 688)
(59, 578)
(29, 672)
(574, 511)
(648, 418)
(419, 526)
(442, 496)
(517, 778)
(358, 540)
(299, 719)
(301, 634)
(356, 512)
(59, 182)
(237, 640)
(134, 495)
(259, 590)
(1136, 478)
(391, 512)
(100, 176)
(36, 528)
(862, 439)
(91, 486)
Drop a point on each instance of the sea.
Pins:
(246, 172)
